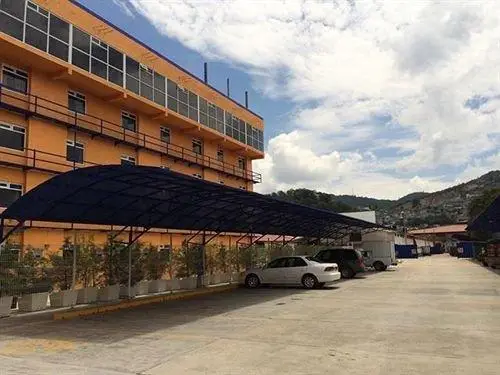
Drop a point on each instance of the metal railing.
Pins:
(33, 105)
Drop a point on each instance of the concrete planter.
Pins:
(142, 288)
(64, 298)
(234, 277)
(5, 306)
(124, 291)
(207, 280)
(87, 295)
(188, 283)
(157, 286)
(108, 293)
(33, 302)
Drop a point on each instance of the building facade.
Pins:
(76, 91)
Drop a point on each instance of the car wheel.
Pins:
(346, 273)
(309, 281)
(252, 281)
(379, 266)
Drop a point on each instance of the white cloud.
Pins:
(123, 5)
(342, 64)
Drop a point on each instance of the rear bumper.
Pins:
(329, 277)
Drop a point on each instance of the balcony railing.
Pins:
(33, 105)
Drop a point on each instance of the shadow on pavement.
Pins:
(493, 270)
(124, 324)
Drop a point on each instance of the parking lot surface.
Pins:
(434, 315)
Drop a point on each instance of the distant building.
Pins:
(363, 215)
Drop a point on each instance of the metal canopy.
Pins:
(489, 220)
(152, 197)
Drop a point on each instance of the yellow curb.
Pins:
(128, 304)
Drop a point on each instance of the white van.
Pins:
(378, 254)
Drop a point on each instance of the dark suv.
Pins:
(349, 261)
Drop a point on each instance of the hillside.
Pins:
(416, 209)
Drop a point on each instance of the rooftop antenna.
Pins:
(227, 88)
(246, 99)
(205, 71)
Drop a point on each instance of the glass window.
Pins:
(127, 160)
(277, 263)
(37, 19)
(115, 58)
(159, 82)
(59, 28)
(146, 75)
(172, 104)
(197, 145)
(81, 60)
(132, 67)
(58, 49)
(81, 40)
(165, 134)
(129, 121)
(76, 102)
(297, 262)
(183, 109)
(15, 79)
(9, 193)
(203, 118)
(11, 26)
(99, 68)
(172, 89)
(115, 76)
(220, 154)
(160, 98)
(98, 51)
(132, 84)
(242, 163)
(36, 38)
(14, 8)
(74, 151)
(146, 91)
(12, 136)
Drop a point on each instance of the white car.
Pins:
(293, 270)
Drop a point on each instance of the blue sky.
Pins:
(362, 97)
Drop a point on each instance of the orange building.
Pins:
(76, 92)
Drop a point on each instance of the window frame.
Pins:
(16, 72)
(4, 185)
(128, 159)
(196, 142)
(77, 96)
(15, 129)
(129, 115)
(166, 130)
(75, 145)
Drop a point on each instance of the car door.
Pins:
(296, 268)
(274, 272)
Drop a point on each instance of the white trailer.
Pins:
(378, 250)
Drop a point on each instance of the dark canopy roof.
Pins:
(152, 197)
(489, 220)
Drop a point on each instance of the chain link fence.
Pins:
(82, 271)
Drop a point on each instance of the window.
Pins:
(220, 154)
(165, 252)
(242, 163)
(12, 17)
(12, 136)
(197, 146)
(127, 160)
(37, 26)
(14, 8)
(165, 134)
(296, 262)
(235, 128)
(129, 121)
(74, 151)
(15, 79)
(197, 175)
(81, 49)
(76, 102)
(9, 193)
(146, 78)
(159, 86)
(278, 263)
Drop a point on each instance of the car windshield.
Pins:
(313, 259)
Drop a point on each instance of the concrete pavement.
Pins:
(435, 315)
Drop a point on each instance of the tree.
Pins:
(155, 262)
(479, 204)
(61, 270)
(88, 262)
(9, 265)
(188, 260)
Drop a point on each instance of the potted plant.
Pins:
(189, 262)
(9, 263)
(32, 275)
(137, 269)
(61, 274)
(155, 265)
(89, 259)
(111, 268)
(222, 265)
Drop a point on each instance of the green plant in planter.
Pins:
(222, 258)
(155, 262)
(9, 265)
(210, 258)
(61, 266)
(88, 262)
(188, 260)
(115, 263)
(32, 272)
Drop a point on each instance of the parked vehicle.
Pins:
(349, 261)
(492, 254)
(378, 254)
(294, 270)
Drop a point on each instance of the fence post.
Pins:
(73, 272)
